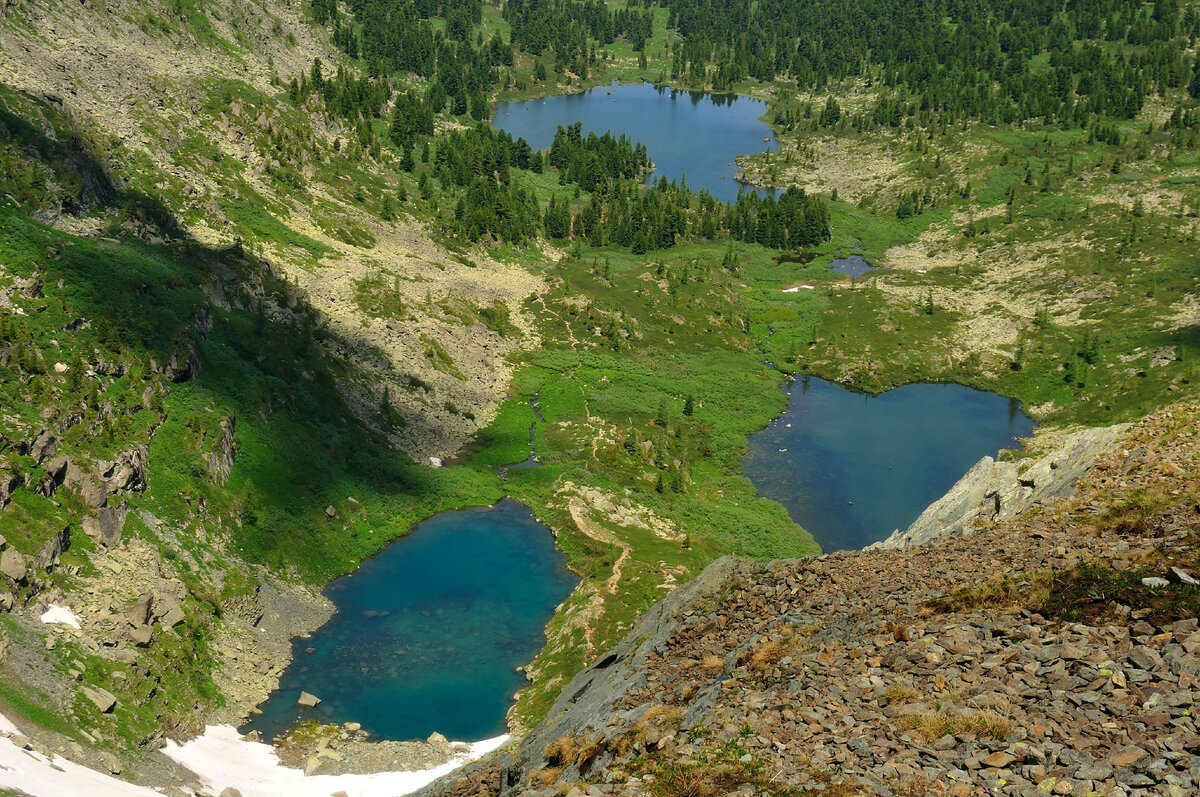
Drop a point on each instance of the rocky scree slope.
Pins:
(1058, 653)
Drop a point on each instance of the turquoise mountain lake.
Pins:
(428, 634)
(852, 468)
(685, 133)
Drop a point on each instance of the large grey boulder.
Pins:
(994, 491)
(104, 700)
(14, 564)
(8, 483)
(220, 462)
(43, 446)
(53, 548)
(138, 612)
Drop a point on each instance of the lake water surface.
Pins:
(429, 633)
(685, 133)
(852, 468)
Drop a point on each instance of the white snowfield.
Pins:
(27, 772)
(60, 614)
(221, 758)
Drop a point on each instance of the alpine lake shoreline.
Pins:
(503, 449)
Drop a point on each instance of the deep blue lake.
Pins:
(686, 133)
(428, 634)
(857, 467)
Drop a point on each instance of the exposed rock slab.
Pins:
(994, 491)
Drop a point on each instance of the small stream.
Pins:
(530, 461)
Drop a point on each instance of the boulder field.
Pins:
(1057, 652)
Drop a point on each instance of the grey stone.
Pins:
(140, 635)
(1098, 770)
(108, 525)
(43, 446)
(1154, 582)
(94, 493)
(53, 548)
(138, 612)
(220, 461)
(173, 617)
(308, 700)
(1181, 576)
(103, 699)
(56, 468)
(13, 564)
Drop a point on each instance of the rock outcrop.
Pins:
(220, 461)
(994, 491)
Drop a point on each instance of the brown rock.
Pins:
(138, 612)
(14, 564)
(141, 635)
(999, 760)
(1126, 757)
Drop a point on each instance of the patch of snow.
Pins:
(27, 772)
(791, 290)
(60, 614)
(435, 462)
(222, 757)
(921, 271)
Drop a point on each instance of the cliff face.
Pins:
(1056, 653)
(994, 491)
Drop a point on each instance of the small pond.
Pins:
(685, 133)
(854, 265)
(428, 635)
(852, 468)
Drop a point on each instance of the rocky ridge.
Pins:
(994, 491)
(1057, 653)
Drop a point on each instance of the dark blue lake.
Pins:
(857, 467)
(686, 133)
(428, 634)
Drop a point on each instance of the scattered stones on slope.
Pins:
(1026, 658)
(345, 749)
